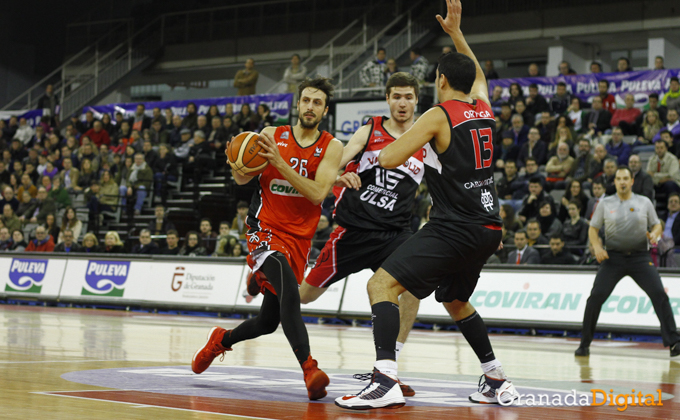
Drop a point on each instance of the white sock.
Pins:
(489, 366)
(388, 367)
(398, 350)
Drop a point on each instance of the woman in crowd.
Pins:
(515, 94)
(106, 124)
(14, 183)
(563, 135)
(510, 219)
(549, 223)
(264, 117)
(90, 243)
(113, 244)
(391, 68)
(70, 221)
(52, 227)
(243, 119)
(575, 230)
(192, 247)
(50, 170)
(575, 191)
(213, 111)
(237, 250)
(650, 126)
(18, 242)
(87, 175)
(59, 194)
(26, 207)
(108, 192)
(521, 109)
(230, 129)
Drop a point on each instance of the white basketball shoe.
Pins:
(495, 388)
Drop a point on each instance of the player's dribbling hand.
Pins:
(271, 150)
(451, 23)
(601, 255)
(349, 180)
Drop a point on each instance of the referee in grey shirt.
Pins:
(627, 218)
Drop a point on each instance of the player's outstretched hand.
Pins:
(271, 150)
(451, 23)
(653, 240)
(601, 255)
(349, 180)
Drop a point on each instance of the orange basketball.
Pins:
(243, 154)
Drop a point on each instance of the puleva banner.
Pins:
(584, 86)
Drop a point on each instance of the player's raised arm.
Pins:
(422, 131)
(451, 25)
(314, 190)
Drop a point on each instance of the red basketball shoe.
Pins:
(315, 379)
(212, 348)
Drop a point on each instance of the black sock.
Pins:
(475, 333)
(385, 329)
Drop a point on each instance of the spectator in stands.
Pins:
(595, 67)
(171, 243)
(230, 129)
(664, 170)
(9, 198)
(295, 74)
(140, 121)
(239, 222)
(48, 103)
(107, 125)
(160, 225)
(31, 173)
(563, 135)
(207, 236)
(577, 115)
(156, 114)
(548, 219)
(5, 239)
(625, 117)
(165, 169)
(88, 123)
(505, 117)
(112, 243)
(557, 254)
(323, 232)
(598, 119)
(583, 164)
(671, 99)
(489, 70)
(122, 138)
(559, 166)
(515, 94)
(71, 222)
(530, 205)
(419, 65)
(533, 70)
(392, 68)
(229, 110)
(673, 126)
(246, 79)
(199, 161)
(4, 173)
(237, 250)
(519, 130)
(600, 155)
(608, 176)
(90, 243)
(45, 206)
(9, 218)
(122, 176)
(642, 181)
(507, 152)
(608, 100)
(534, 235)
(264, 117)
(38, 138)
(69, 175)
(59, 194)
(190, 120)
(575, 228)
(561, 100)
(649, 128)
(672, 225)
(524, 254)
(574, 192)
(202, 125)
(98, 135)
(546, 126)
(658, 63)
(532, 148)
(521, 109)
(158, 133)
(145, 246)
(139, 183)
(496, 100)
(42, 242)
(24, 132)
(11, 128)
(150, 155)
(18, 242)
(652, 105)
(623, 64)
(52, 227)
(510, 182)
(68, 245)
(243, 119)
(26, 207)
(218, 136)
(192, 247)
(17, 151)
(174, 134)
(87, 176)
(565, 69)
(530, 171)
(225, 241)
(617, 147)
(598, 194)
(536, 103)
(510, 220)
(182, 151)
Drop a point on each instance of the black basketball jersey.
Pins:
(460, 180)
(386, 195)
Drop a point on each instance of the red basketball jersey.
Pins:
(277, 204)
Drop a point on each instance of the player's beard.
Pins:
(309, 125)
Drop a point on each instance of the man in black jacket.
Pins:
(530, 205)
(598, 119)
(672, 228)
(643, 183)
(145, 245)
(557, 254)
(68, 245)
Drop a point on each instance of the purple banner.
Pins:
(584, 86)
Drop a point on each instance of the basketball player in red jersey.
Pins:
(448, 253)
(283, 215)
(373, 204)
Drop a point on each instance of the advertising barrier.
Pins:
(349, 116)
(506, 297)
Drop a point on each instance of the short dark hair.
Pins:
(598, 64)
(206, 219)
(507, 135)
(625, 168)
(522, 232)
(142, 105)
(536, 180)
(533, 86)
(381, 49)
(605, 81)
(624, 59)
(576, 202)
(665, 131)
(416, 51)
(224, 222)
(598, 181)
(673, 194)
(402, 79)
(320, 83)
(654, 95)
(531, 158)
(505, 103)
(459, 69)
(171, 232)
(557, 236)
(534, 220)
(675, 79)
(544, 203)
(241, 204)
(561, 84)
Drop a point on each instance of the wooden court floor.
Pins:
(59, 363)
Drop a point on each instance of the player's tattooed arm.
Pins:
(451, 25)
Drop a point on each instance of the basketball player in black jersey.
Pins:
(373, 205)
(448, 253)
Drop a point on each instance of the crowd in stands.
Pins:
(557, 157)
